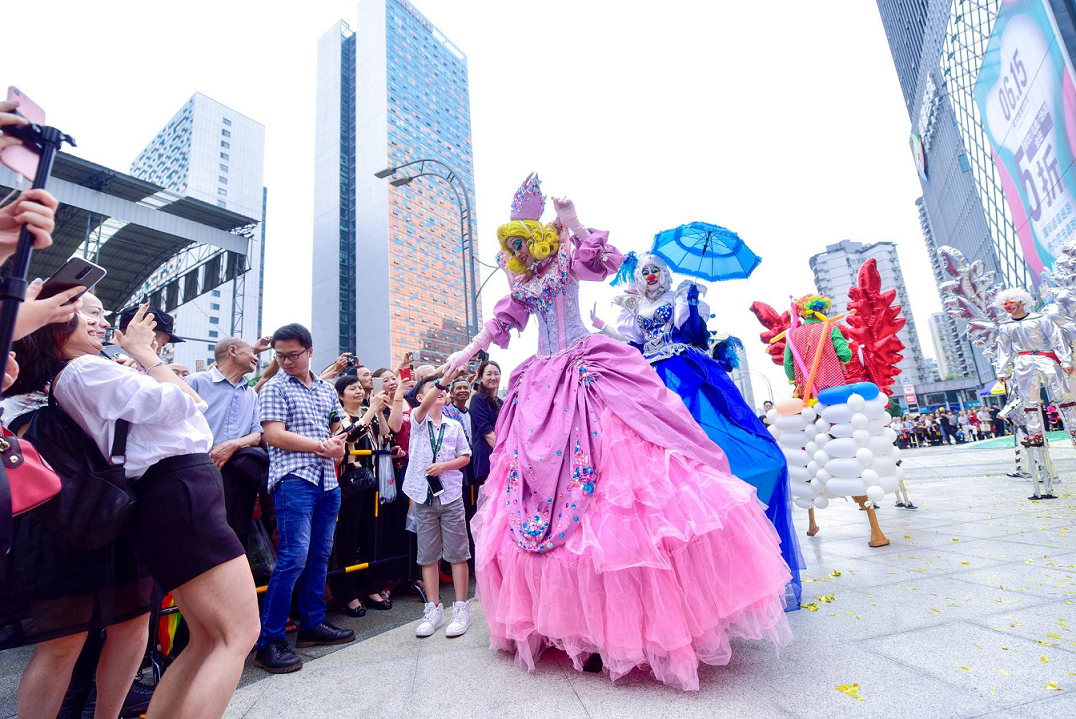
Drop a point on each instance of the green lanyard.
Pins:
(435, 445)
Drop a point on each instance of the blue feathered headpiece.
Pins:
(726, 352)
(626, 274)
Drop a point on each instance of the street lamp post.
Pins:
(445, 172)
(769, 387)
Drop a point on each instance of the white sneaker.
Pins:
(461, 620)
(433, 618)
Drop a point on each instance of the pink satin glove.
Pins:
(568, 216)
(456, 360)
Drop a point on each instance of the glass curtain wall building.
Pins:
(388, 269)
(951, 210)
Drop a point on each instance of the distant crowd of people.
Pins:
(947, 426)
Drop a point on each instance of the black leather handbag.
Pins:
(96, 502)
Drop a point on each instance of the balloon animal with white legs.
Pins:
(835, 431)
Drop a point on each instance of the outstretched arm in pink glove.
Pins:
(456, 360)
(568, 217)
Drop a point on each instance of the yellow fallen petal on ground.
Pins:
(810, 606)
(1004, 673)
(955, 539)
(1044, 659)
(1048, 644)
(965, 562)
(963, 667)
(851, 690)
(837, 573)
(1053, 686)
(1054, 636)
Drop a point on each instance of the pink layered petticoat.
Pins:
(671, 558)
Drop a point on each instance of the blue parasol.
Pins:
(706, 251)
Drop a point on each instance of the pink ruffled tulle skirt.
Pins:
(671, 559)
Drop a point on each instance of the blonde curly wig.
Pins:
(542, 240)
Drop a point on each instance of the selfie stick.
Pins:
(47, 141)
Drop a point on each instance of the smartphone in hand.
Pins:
(20, 158)
(76, 271)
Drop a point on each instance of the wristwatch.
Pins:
(437, 383)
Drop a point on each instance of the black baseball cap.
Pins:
(165, 322)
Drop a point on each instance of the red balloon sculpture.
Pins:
(871, 330)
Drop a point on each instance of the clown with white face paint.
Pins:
(1033, 351)
(669, 327)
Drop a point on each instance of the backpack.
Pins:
(96, 502)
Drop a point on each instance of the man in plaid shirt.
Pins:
(300, 414)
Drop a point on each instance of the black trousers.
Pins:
(245, 476)
(355, 541)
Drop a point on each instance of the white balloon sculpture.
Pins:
(840, 447)
(860, 457)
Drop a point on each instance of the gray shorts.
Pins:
(442, 532)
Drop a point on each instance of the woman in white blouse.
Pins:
(180, 527)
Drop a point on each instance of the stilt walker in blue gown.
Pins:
(669, 328)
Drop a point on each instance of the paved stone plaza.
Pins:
(970, 612)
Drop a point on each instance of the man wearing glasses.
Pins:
(300, 413)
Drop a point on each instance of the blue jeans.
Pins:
(305, 520)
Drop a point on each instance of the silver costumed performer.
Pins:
(1032, 349)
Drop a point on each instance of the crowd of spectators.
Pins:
(344, 479)
(947, 426)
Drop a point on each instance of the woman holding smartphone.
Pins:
(180, 527)
(54, 594)
(357, 525)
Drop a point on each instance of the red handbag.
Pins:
(30, 479)
(26, 481)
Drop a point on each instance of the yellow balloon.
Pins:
(789, 407)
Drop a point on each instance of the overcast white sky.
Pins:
(781, 120)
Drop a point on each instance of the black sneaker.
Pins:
(277, 658)
(324, 633)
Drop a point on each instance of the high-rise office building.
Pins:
(955, 209)
(388, 270)
(837, 269)
(741, 377)
(212, 153)
(947, 362)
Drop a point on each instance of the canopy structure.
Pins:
(133, 228)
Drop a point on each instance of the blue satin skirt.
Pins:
(753, 454)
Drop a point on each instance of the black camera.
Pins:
(352, 361)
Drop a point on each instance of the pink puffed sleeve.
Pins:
(595, 259)
(507, 314)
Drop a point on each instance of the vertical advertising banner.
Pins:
(1026, 97)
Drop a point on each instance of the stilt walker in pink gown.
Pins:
(610, 525)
